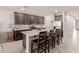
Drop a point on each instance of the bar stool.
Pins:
(39, 44)
(51, 40)
(60, 35)
(57, 36)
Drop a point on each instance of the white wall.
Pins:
(6, 17)
(68, 25)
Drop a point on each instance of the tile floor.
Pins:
(70, 44)
(11, 47)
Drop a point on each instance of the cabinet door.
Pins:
(26, 19)
(58, 17)
(41, 20)
(33, 19)
(18, 18)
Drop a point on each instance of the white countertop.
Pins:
(31, 33)
(34, 32)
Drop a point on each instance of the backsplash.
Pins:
(22, 27)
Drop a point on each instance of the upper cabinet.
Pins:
(23, 19)
(18, 18)
(58, 17)
(40, 20)
(36, 19)
(33, 19)
(26, 19)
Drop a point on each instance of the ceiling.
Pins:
(74, 14)
(44, 10)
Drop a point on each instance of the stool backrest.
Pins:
(42, 36)
(51, 33)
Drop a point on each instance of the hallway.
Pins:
(70, 44)
(71, 36)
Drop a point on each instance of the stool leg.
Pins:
(58, 41)
(48, 46)
(38, 48)
(31, 47)
(45, 47)
(54, 42)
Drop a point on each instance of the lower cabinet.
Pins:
(18, 35)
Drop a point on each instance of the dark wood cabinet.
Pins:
(37, 20)
(24, 19)
(33, 19)
(58, 17)
(41, 20)
(19, 18)
(18, 35)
